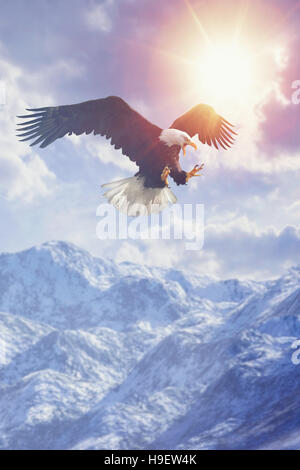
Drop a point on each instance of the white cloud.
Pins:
(97, 18)
(67, 68)
(237, 249)
(22, 173)
(24, 179)
(128, 252)
(97, 147)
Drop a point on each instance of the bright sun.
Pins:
(226, 72)
(231, 65)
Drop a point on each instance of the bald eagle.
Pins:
(154, 150)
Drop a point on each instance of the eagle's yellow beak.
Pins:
(188, 143)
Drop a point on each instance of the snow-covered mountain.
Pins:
(96, 355)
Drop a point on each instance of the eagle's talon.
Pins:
(194, 171)
(164, 175)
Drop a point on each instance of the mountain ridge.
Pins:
(100, 355)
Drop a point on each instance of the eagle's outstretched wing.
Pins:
(210, 127)
(111, 117)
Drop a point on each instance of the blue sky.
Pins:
(150, 53)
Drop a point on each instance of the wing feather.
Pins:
(227, 139)
(208, 125)
(215, 143)
(111, 117)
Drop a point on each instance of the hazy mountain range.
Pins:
(99, 355)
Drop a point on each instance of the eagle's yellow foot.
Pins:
(194, 172)
(165, 174)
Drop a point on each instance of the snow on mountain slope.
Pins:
(71, 283)
(17, 334)
(99, 355)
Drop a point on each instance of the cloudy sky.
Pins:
(242, 57)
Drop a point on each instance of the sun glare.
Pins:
(226, 72)
(221, 56)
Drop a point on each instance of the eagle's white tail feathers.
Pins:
(131, 197)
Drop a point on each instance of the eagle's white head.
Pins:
(175, 137)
